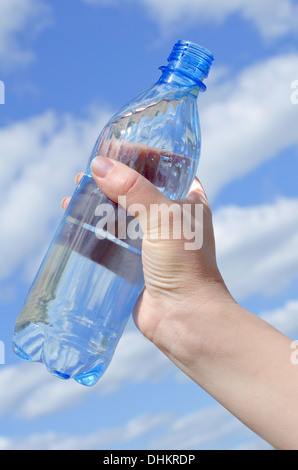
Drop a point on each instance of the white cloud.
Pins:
(253, 444)
(247, 120)
(101, 439)
(136, 360)
(204, 427)
(36, 393)
(284, 318)
(17, 16)
(209, 427)
(40, 157)
(272, 18)
(258, 246)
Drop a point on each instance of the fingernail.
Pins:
(64, 201)
(78, 178)
(101, 166)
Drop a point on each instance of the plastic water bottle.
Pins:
(88, 282)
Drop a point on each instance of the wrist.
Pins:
(191, 329)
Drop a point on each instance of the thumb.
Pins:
(126, 187)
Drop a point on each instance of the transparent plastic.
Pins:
(87, 285)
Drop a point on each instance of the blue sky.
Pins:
(67, 66)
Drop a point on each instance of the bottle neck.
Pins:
(176, 79)
(188, 65)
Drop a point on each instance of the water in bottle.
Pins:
(90, 279)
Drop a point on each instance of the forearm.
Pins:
(244, 363)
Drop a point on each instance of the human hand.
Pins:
(176, 278)
(186, 310)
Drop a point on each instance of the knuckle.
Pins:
(132, 184)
